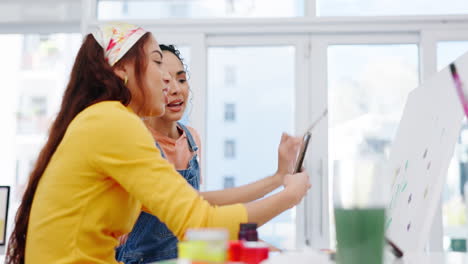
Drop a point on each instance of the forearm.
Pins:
(262, 211)
(243, 194)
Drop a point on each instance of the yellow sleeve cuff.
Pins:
(230, 217)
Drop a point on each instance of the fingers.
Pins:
(290, 141)
(297, 142)
(284, 137)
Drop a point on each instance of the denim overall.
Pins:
(150, 239)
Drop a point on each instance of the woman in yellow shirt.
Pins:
(90, 182)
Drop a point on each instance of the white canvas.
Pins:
(420, 156)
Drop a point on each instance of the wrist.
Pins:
(290, 197)
(277, 179)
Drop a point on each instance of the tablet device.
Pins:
(302, 152)
(305, 143)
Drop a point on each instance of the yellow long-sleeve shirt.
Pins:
(102, 173)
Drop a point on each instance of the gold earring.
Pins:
(126, 80)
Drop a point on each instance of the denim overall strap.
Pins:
(160, 149)
(191, 142)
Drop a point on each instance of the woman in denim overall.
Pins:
(150, 239)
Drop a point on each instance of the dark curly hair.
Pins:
(173, 49)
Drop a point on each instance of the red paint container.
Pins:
(254, 252)
(234, 250)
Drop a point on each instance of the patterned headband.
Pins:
(116, 39)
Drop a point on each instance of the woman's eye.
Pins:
(158, 62)
(182, 80)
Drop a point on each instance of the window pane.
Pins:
(40, 11)
(143, 9)
(229, 75)
(230, 149)
(368, 85)
(35, 68)
(264, 108)
(389, 8)
(229, 112)
(229, 182)
(454, 196)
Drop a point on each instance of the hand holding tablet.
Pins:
(305, 142)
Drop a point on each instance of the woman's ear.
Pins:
(121, 71)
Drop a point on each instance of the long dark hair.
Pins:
(92, 80)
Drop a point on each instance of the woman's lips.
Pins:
(175, 106)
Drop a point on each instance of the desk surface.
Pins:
(431, 258)
(434, 258)
(308, 257)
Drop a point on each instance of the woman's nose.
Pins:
(174, 87)
(166, 77)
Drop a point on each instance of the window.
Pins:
(229, 112)
(368, 85)
(36, 68)
(229, 149)
(32, 114)
(390, 8)
(268, 107)
(36, 11)
(229, 75)
(143, 9)
(178, 10)
(229, 182)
